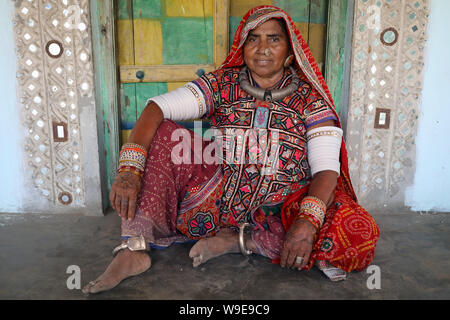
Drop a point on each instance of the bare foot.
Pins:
(225, 241)
(125, 264)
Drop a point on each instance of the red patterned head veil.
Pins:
(303, 59)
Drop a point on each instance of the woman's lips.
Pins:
(263, 62)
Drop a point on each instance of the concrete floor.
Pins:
(413, 254)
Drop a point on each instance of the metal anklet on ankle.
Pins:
(134, 244)
(242, 227)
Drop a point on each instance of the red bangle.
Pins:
(134, 147)
(310, 220)
(130, 169)
(314, 208)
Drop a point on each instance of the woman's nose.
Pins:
(262, 47)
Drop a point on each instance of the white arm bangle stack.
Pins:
(324, 144)
(185, 103)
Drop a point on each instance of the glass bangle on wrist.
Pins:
(131, 170)
(132, 159)
(313, 210)
(311, 220)
(134, 147)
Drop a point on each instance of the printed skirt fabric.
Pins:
(164, 186)
(181, 202)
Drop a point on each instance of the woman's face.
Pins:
(266, 64)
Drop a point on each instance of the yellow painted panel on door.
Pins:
(303, 28)
(238, 8)
(189, 8)
(125, 42)
(125, 135)
(317, 39)
(148, 42)
(174, 85)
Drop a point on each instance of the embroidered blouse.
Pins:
(264, 143)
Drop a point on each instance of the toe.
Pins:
(197, 261)
(99, 286)
(194, 252)
(87, 288)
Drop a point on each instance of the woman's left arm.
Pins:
(299, 239)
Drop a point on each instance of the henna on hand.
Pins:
(128, 180)
(299, 230)
(298, 242)
(124, 193)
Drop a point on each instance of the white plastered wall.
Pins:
(49, 124)
(389, 39)
(430, 190)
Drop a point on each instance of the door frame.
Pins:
(339, 51)
(107, 80)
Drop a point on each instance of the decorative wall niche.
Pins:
(386, 82)
(54, 74)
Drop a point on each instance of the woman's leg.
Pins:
(225, 241)
(267, 243)
(125, 264)
(163, 187)
(348, 238)
(202, 222)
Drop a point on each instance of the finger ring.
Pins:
(299, 260)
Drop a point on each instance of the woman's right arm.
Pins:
(184, 103)
(145, 128)
(126, 186)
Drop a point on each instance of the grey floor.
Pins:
(413, 255)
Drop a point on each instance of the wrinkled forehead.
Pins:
(258, 18)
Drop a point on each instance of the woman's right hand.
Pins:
(124, 194)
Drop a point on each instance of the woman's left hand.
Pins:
(299, 242)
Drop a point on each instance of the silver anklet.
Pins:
(242, 227)
(134, 244)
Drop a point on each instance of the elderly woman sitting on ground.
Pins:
(278, 142)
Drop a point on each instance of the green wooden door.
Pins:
(172, 41)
